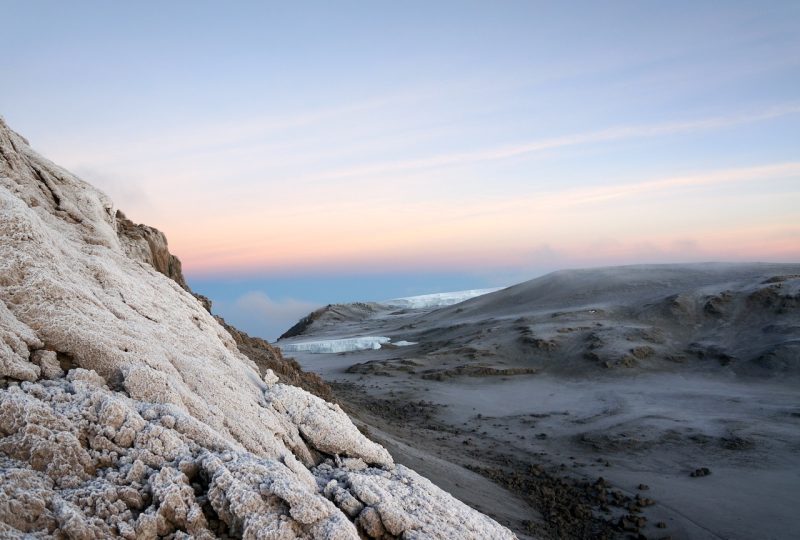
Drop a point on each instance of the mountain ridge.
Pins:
(619, 316)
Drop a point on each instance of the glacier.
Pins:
(328, 346)
(426, 301)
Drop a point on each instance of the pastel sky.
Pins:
(300, 153)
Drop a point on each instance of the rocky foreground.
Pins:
(127, 410)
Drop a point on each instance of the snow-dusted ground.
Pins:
(341, 345)
(425, 301)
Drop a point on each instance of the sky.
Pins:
(303, 153)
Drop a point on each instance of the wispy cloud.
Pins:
(218, 135)
(594, 195)
(357, 232)
(600, 136)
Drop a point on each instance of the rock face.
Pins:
(127, 410)
(149, 245)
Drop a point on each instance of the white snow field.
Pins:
(328, 346)
(425, 301)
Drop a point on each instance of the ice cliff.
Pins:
(362, 343)
(127, 410)
(435, 300)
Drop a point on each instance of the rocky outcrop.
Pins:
(148, 244)
(334, 314)
(304, 323)
(128, 411)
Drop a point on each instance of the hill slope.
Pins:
(744, 318)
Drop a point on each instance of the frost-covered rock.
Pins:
(404, 504)
(127, 411)
(325, 425)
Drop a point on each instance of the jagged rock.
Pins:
(128, 411)
(147, 244)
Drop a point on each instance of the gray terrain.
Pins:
(655, 401)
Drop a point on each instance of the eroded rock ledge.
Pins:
(127, 410)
